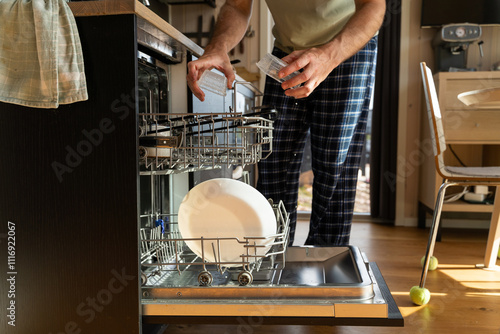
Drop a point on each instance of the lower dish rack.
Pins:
(324, 283)
(186, 142)
(167, 260)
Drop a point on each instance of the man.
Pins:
(333, 44)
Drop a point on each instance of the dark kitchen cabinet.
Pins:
(68, 198)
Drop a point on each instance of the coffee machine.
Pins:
(451, 44)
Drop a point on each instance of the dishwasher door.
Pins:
(317, 285)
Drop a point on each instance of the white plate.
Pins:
(226, 208)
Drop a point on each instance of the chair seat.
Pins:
(474, 172)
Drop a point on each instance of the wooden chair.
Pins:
(452, 176)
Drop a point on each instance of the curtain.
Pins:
(383, 157)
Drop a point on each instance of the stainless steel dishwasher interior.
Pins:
(301, 282)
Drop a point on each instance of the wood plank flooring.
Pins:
(464, 299)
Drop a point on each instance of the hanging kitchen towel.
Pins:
(41, 62)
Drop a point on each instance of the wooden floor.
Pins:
(464, 299)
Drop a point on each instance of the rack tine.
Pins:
(215, 256)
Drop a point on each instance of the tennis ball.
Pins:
(499, 253)
(433, 262)
(419, 296)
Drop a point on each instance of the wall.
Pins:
(416, 47)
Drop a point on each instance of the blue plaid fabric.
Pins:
(335, 114)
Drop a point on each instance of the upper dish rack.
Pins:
(164, 252)
(184, 142)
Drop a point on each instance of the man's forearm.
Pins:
(359, 29)
(231, 25)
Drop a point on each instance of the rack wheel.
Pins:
(245, 278)
(144, 278)
(205, 278)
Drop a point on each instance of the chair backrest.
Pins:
(434, 113)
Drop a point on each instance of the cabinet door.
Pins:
(68, 182)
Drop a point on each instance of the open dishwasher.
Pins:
(302, 285)
(90, 191)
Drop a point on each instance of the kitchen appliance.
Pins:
(330, 285)
(451, 44)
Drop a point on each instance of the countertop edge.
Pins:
(119, 7)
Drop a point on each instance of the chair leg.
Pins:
(434, 230)
(423, 210)
(490, 256)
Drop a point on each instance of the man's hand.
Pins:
(315, 64)
(230, 28)
(209, 60)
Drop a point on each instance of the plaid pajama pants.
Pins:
(335, 115)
